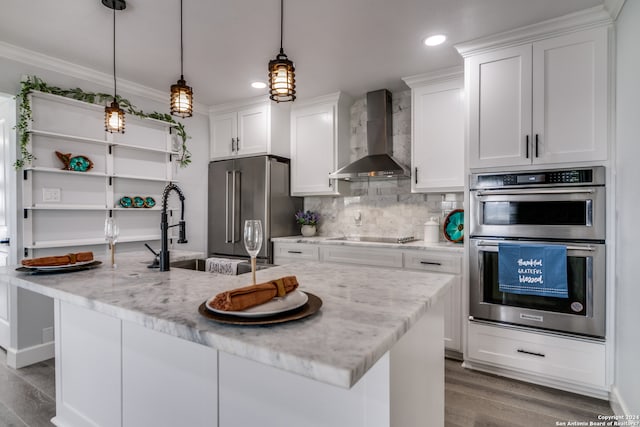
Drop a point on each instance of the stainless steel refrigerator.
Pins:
(249, 188)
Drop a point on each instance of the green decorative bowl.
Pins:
(126, 202)
(454, 226)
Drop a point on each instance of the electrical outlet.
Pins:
(50, 195)
(47, 335)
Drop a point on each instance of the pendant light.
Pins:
(282, 76)
(181, 94)
(113, 114)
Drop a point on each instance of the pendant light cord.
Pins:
(181, 46)
(115, 90)
(281, 23)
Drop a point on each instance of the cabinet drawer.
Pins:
(431, 261)
(566, 359)
(286, 252)
(362, 256)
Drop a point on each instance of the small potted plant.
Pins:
(308, 221)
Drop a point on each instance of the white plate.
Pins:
(58, 267)
(277, 305)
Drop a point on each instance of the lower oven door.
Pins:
(582, 313)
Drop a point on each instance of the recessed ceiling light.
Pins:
(259, 85)
(435, 40)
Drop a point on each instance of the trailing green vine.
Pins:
(25, 115)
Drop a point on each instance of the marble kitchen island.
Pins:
(132, 349)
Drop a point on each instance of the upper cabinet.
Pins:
(437, 131)
(319, 144)
(255, 127)
(540, 102)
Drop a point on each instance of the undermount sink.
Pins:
(199, 264)
(374, 239)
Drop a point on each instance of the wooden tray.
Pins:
(311, 307)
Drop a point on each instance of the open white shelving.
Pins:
(99, 141)
(67, 209)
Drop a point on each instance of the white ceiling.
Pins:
(349, 45)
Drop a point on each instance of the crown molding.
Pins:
(589, 18)
(433, 77)
(19, 54)
(614, 7)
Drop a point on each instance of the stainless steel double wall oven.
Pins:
(550, 207)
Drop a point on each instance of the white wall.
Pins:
(627, 372)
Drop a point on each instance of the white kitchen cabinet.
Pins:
(150, 361)
(92, 365)
(67, 209)
(135, 374)
(437, 131)
(574, 363)
(284, 253)
(542, 102)
(256, 127)
(443, 262)
(319, 144)
(379, 257)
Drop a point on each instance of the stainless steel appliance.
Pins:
(558, 204)
(379, 161)
(249, 188)
(551, 207)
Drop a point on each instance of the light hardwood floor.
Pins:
(472, 399)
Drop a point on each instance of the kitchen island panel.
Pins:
(405, 387)
(159, 370)
(88, 358)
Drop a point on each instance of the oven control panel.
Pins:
(587, 176)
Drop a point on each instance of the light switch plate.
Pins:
(50, 195)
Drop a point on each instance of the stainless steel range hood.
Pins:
(379, 162)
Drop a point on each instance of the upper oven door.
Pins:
(573, 213)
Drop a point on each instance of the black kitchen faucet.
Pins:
(164, 225)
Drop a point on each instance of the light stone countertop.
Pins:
(415, 245)
(365, 310)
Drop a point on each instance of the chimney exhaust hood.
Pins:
(379, 163)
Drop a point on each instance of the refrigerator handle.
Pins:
(233, 211)
(226, 210)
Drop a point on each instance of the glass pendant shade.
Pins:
(282, 79)
(181, 99)
(114, 118)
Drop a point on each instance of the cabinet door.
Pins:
(313, 150)
(438, 138)
(500, 107)
(253, 133)
(224, 129)
(570, 97)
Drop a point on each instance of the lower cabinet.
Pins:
(134, 373)
(284, 253)
(579, 364)
(424, 260)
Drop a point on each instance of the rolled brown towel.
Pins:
(52, 261)
(250, 296)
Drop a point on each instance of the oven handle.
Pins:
(524, 192)
(486, 244)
